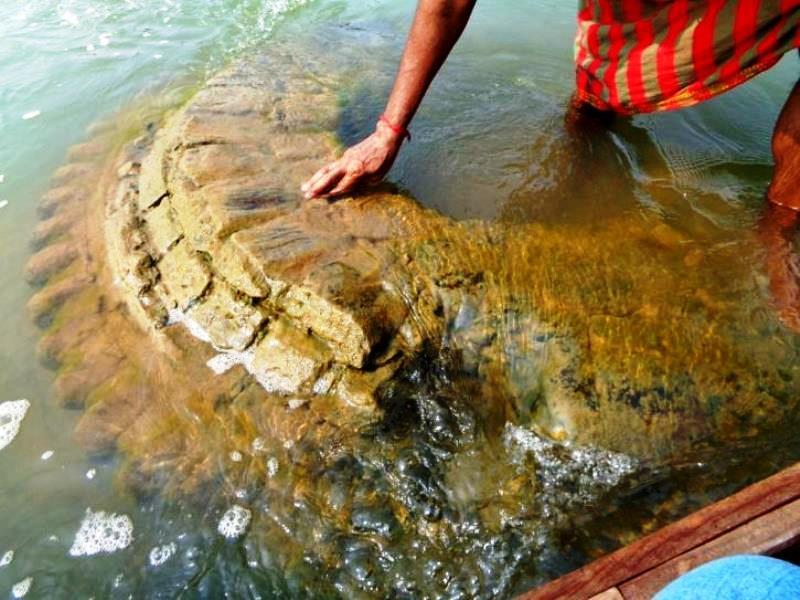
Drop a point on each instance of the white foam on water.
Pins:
(258, 445)
(276, 8)
(90, 48)
(91, 473)
(234, 522)
(70, 18)
(31, 114)
(296, 403)
(102, 532)
(3, 203)
(221, 363)
(236, 456)
(272, 466)
(227, 359)
(2, 178)
(21, 588)
(11, 414)
(6, 559)
(158, 56)
(105, 39)
(585, 471)
(47, 455)
(176, 316)
(161, 554)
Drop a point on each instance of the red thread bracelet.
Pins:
(395, 128)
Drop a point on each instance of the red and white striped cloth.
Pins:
(635, 56)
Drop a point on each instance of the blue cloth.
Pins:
(737, 578)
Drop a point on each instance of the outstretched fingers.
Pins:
(323, 180)
(347, 183)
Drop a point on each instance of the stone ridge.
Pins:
(208, 228)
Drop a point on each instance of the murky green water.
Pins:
(488, 142)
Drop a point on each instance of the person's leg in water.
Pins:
(784, 190)
(781, 220)
(779, 225)
(582, 118)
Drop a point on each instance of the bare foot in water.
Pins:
(778, 226)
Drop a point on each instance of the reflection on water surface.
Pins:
(646, 229)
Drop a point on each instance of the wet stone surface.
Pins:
(417, 407)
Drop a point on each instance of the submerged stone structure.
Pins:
(195, 307)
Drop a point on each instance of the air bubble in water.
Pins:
(161, 554)
(11, 415)
(234, 522)
(102, 532)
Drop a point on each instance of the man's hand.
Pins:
(436, 28)
(366, 162)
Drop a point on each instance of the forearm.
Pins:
(436, 28)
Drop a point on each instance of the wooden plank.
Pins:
(767, 534)
(673, 540)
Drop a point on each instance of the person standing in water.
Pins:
(631, 56)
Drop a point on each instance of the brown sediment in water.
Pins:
(624, 335)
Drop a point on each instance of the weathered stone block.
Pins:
(161, 229)
(152, 185)
(50, 261)
(234, 100)
(230, 321)
(359, 389)
(201, 165)
(184, 277)
(204, 127)
(288, 360)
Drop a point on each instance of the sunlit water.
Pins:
(488, 143)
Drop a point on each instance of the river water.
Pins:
(487, 144)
